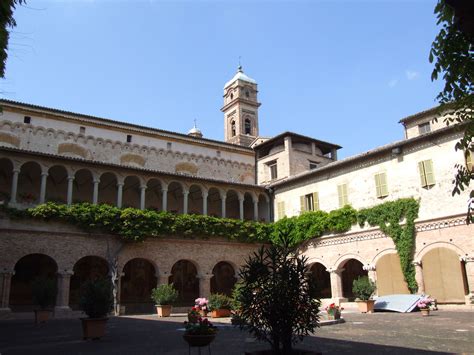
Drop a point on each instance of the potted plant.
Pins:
(334, 312)
(424, 305)
(236, 294)
(96, 301)
(44, 294)
(220, 305)
(164, 297)
(363, 288)
(276, 298)
(198, 330)
(201, 305)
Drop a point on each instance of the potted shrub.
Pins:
(198, 331)
(220, 305)
(333, 311)
(164, 297)
(276, 299)
(424, 305)
(363, 288)
(96, 301)
(44, 295)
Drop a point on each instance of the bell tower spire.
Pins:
(240, 109)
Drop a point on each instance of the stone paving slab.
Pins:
(445, 332)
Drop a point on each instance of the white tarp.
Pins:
(397, 303)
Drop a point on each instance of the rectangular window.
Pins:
(82, 130)
(280, 209)
(309, 202)
(129, 138)
(424, 128)
(313, 165)
(381, 188)
(27, 119)
(425, 168)
(168, 146)
(342, 194)
(272, 166)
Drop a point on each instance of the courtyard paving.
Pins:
(445, 332)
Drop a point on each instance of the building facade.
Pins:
(53, 155)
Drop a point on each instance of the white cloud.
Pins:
(392, 83)
(411, 74)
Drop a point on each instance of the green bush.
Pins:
(236, 295)
(44, 292)
(219, 301)
(164, 295)
(96, 298)
(363, 288)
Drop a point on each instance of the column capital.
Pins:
(120, 184)
(204, 276)
(204, 193)
(467, 259)
(6, 271)
(70, 177)
(96, 181)
(369, 267)
(143, 187)
(45, 174)
(16, 171)
(65, 273)
(164, 189)
(416, 262)
(185, 192)
(334, 270)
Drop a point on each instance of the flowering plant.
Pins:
(425, 303)
(201, 303)
(196, 325)
(332, 309)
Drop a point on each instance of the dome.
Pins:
(195, 132)
(240, 76)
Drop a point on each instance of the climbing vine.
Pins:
(394, 218)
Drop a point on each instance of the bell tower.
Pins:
(240, 109)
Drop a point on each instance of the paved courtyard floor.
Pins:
(445, 332)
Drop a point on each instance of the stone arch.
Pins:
(263, 208)
(27, 269)
(87, 268)
(444, 275)
(195, 199)
(29, 183)
(248, 206)
(232, 204)
(108, 188)
(427, 248)
(56, 184)
(214, 202)
(138, 280)
(131, 192)
(83, 186)
(223, 279)
(352, 269)
(6, 174)
(321, 280)
(175, 197)
(154, 194)
(390, 279)
(184, 277)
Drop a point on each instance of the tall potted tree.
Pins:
(275, 297)
(164, 296)
(96, 302)
(44, 294)
(363, 288)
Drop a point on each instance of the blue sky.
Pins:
(341, 71)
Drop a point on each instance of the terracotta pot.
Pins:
(425, 312)
(163, 310)
(42, 316)
(220, 313)
(366, 306)
(203, 313)
(93, 328)
(199, 340)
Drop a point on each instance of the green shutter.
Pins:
(315, 201)
(302, 204)
(421, 170)
(342, 194)
(283, 213)
(381, 189)
(430, 179)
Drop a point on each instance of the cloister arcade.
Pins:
(25, 183)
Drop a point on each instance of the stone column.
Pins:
(223, 212)
(255, 210)
(5, 286)
(185, 201)
(336, 285)
(469, 264)
(95, 193)
(142, 196)
(241, 208)
(205, 194)
(70, 185)
(14, 187)
(44, 179)
(119, 194)
(164, 199)
(205, 285)
(419, 277)
(62, 297)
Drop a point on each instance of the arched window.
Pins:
(247, 126)
(232, 127)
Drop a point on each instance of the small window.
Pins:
(129, 138)
(218, 153)
(232, 128)
(231, 96)
(168, 146)
(425, 168)
(247, 126)
(313, 165)
(381, 188)
(342, 194)
(247, 94)
(424, 128)
(27, 119)
(82, 130)
(309, 202)
(273, 170)
(280, 209)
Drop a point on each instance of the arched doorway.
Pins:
(195, 200)
(136, 285)
(56, 184)
(184, 278)
(223, 279)
(214, 203)
(353, 269)
(29, 182)
(248, 207)
(321, 281)
(390, 279)
(232, 205)
(131, 192)
(87, 268)
(153, 195)
(108, 189)
(83, 186)
(443, 276)
(175, 198)
(6, 172)
(27, 269)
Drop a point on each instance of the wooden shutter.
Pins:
(280, 209)
(342, 194)
(315, 201)
(381, 188)
(469, 161)
(421, 170)
(430, 179)
(302, 204)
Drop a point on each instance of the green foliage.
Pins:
(164, 295)
(96, 298)
(236, 294)
(363, 288)
(388, 217)
(6, 21)
(451, 53)
(219, 301)
(275, 297)
(44, 292)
